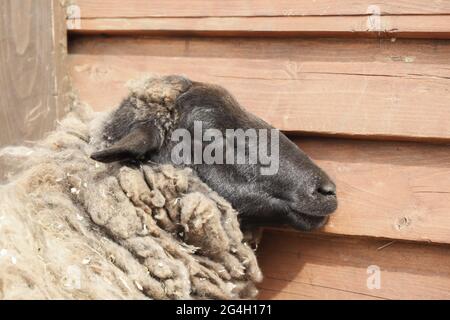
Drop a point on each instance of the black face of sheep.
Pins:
(291, 191)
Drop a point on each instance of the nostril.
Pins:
(327, 189)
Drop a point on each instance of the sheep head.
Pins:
(174, 120)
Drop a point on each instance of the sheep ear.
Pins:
(135, 145)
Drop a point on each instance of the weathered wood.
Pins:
(402, 19)
(348, 87)
(278, 289)
(396, 190)
(252, 8)
(303, 266)
(433, 26)
(33, 81)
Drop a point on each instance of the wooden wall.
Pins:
(33, 81)
(364, 89)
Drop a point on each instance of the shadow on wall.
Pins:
(319, 266)
(278, 278)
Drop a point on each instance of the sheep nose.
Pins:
(327, 188)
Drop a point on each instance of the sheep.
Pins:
(74, 228)
(298, 194)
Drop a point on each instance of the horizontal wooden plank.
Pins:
(279, 289)
(302, 266)
(287, 17)
(33, 69)
(408, 26)
(398, 190)
(250, 8)
(367, 88)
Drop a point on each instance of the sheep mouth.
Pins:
(307, 222)
(317, 210)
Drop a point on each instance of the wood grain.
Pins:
(324, 17)
(274, 288)
(395, 190)
(32, 63)
(367, 88)
(430, 27)
(311, 267)
(251, 8)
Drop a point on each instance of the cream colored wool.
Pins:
(74, 228)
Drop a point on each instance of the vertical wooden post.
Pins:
(33, 80)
